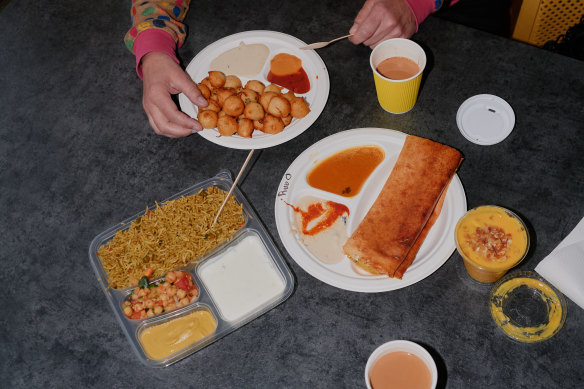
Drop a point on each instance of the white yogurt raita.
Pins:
(242, 279)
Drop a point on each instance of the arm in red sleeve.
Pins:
(153, 40)
(423, 8)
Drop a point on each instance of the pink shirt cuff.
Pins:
(421, 9)
(153, 40)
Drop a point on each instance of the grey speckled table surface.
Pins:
(77, 156)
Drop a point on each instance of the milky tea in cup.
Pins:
(401, 364)
(397, 66)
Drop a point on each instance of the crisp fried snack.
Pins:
(266, 107)
(390, 235)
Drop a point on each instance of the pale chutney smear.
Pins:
(321, 227)
(243, 60)
(243, 279)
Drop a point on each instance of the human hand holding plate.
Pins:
(162, 78)
(277, 43)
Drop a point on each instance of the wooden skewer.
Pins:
(319, 45)
(233, 186)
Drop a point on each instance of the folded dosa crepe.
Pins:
(390, 235)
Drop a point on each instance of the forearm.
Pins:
(156, 26)
(423, 8)
(157, 15)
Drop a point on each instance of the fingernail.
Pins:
(196, 129)
(353, 29)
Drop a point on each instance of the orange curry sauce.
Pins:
(345, 172)
(328, 213)
(286, 70)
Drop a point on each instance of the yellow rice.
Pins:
(170, 236)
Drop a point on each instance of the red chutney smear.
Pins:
(286, 70)
(329, 215)
(296, 82)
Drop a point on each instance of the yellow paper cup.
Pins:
(397, 96)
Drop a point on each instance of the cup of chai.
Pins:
(397, 66)
(401, 364)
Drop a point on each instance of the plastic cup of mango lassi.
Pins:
(397, 66)
(491, 240)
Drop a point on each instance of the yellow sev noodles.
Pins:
(170, 236)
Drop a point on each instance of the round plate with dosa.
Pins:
(436, 249)
(276, 42)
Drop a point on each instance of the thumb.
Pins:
(190, 90)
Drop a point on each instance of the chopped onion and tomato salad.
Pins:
(153, 298)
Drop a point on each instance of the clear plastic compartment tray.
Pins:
(231, 309)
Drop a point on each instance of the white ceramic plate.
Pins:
(436, 249)
(277, 42)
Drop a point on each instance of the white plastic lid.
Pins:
(485, 119)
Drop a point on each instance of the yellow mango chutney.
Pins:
(164, 339)
(491, 240)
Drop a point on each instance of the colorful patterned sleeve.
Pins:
(156, 26)
(160, 15)
(423, 8)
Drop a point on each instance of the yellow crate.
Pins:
(540, 21)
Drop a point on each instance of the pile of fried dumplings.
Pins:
(235, 109)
